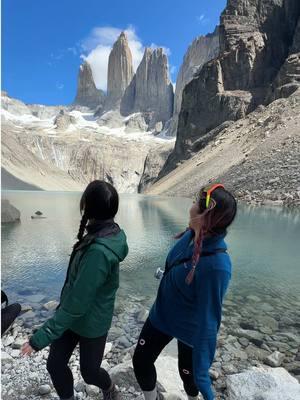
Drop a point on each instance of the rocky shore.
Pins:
(260, 332)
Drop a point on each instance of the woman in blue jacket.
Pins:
(188, 306)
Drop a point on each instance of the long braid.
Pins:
(205, 225)
(81, 230)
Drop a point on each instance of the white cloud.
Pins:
(173, 69)
(202, 19)
(97, 46)
(72, 50)
(166, 50)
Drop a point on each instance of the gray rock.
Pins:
(62, 121)
(150, 91)
(135, 123)
(263, 384)
(15, 353)
(79, 387)
(8, 340)
(115, 333)
(142, 315)
(251, 335)
(28, 315)
(108, 347)
(51, 305)
(120, 72)
(9, 213)
(35, 298)
(5, 357)
(87, 93)
(124, 342)
(92, 390)
(123, 375)
(275, 359)
(26, 307)
(154, 162)
(44, 389)
(202, 50)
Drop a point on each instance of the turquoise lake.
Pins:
(263, 243)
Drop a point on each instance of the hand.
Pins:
(26, 349)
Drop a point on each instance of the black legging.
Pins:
(150, 345)
(91, 354)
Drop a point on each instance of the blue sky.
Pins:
(43, 41)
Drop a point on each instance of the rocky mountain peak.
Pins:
(256, 38)
(87, 93)
(151, 91)
(202, 50)
(120, 71)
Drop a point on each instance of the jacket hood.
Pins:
(116, 243)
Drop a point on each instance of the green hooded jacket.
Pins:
(88, 296)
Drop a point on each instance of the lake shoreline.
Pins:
(241, 346)
(244, 198)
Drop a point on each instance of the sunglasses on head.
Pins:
(207, 191)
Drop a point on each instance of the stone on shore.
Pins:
(263, 383)
(5, 358)
(275, 359)
(51, 305)
(44, 389)
(9, 213)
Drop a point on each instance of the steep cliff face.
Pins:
(288, 79)
(120, 72)
(87, 93)
(151, 91)
(202, 50)
(255, 40)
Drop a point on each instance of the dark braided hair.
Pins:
(216, 220)
(99, 201)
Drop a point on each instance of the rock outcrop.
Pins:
(288, 78)
(9, 213)
(120, 72)
(255, 40)
(63, 120)
(153, 164)
(87, 93)
(202, 50)
(256, 158)
(263, 383)
(151, 91)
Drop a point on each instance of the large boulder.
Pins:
(263, 383)
(9, 213)
(63, 120)
(167, 375)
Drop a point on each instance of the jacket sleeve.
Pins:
(211, 289)
(94, 270)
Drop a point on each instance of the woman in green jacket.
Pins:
(85, 312)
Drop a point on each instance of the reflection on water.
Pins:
(264, 244)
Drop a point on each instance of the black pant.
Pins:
(8, 315)
(150, 345)
(91, 354)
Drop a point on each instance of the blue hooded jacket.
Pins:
(192, 313)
